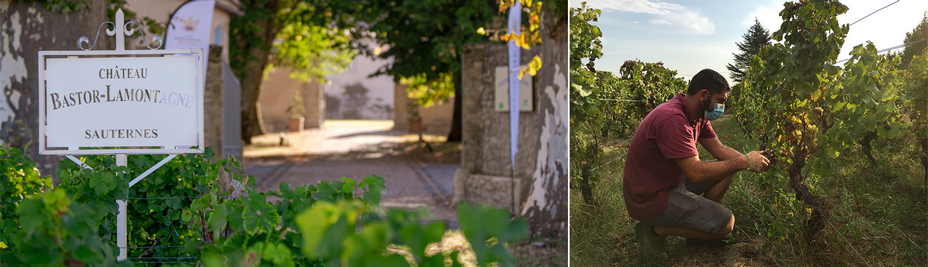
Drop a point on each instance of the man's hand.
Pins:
(757, 162)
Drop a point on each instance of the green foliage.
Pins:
(19, 179)
(423, 37)
(812, 112)
(329, 223)
(584, 109)
(425, 40)
(915, 42)
(914, 100)
(487, 239)
(425, 93)
(584, 46)
(297, 34)
(646, 85)
(57, 231)
(804, 105)
(312, 50)
(156, 203)
(63, 6)
(296, 108)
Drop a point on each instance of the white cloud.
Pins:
(635, 22)
(660, 22)
(767, 16)
(664, 14)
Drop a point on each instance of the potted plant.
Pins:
(415, 121)
(296, 111)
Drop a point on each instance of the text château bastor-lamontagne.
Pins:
(147, 101)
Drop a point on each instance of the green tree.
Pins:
(914, 61)
(425, 40)
(756, 38)
(305, 35)
(915, 41)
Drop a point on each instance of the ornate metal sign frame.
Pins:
(120, 33)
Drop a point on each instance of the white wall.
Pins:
(378, 87)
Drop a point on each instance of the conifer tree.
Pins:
(756, 37)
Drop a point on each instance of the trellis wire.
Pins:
(165, 262)
(138, 198)
(153, 247)
(155, 258)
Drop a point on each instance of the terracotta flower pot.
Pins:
(415, 126)
(296, 125)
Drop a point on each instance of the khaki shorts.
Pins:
(689, 210)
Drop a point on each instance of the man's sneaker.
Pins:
(650, 246)
(712, 243)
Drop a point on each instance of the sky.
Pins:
(689, 36)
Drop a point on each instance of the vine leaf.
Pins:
(375, 188)
(279, 254)
(477, 232)
(86, 255)
(218, 219)
(201, 203)
(104, 183)
(30, 214)
(259, 215)
(237, 218)
(822, 168)
(323, 227)
(350, 185)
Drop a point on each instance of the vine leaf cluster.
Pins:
(810, 110)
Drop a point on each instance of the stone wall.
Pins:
(26, 29)
(435, 119)
(484, 176)
(277, 95)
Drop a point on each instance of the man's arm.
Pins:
(718, 150)
(702, 171)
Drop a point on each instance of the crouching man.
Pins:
(665, 185)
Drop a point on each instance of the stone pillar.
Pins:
(314, 104)
(400, 107)
(232, 114)
(212, 101)
(484, 176)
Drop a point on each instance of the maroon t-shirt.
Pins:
(667, 133)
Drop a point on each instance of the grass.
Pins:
(878, 212)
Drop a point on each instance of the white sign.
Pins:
(191, 25)
(502, 90)
(120, 101)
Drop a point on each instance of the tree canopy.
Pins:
(424, 39)
(915, 41)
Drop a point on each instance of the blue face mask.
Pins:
(717, 110)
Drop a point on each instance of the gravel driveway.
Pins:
(354, 149)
